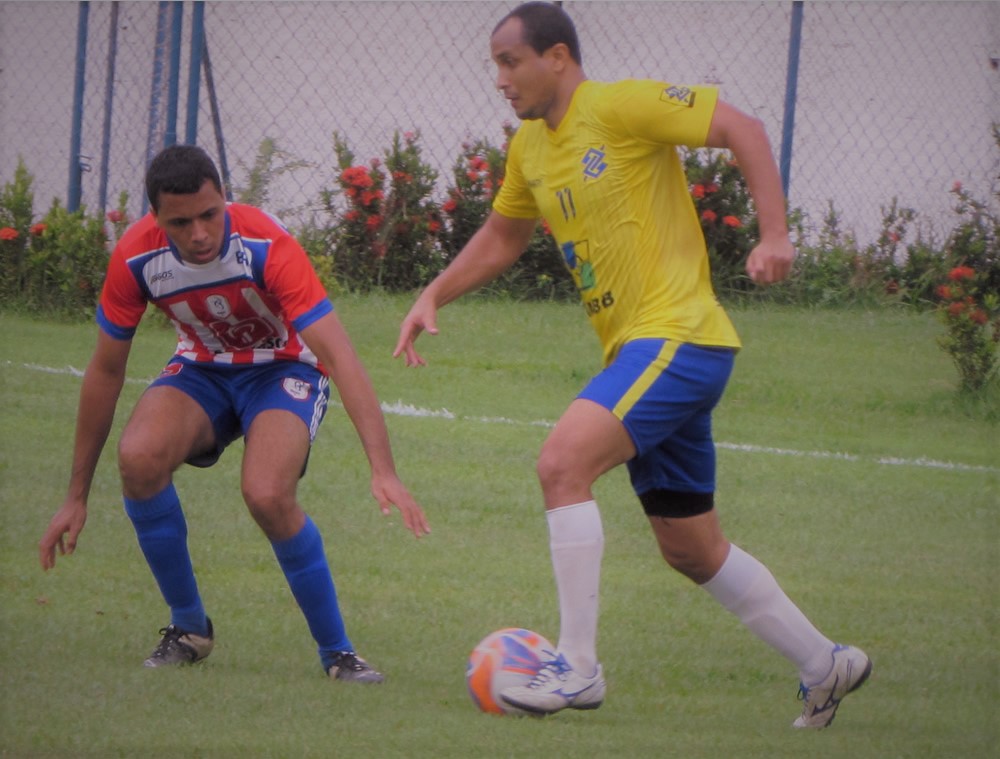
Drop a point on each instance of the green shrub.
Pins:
(477, 176)
(725, 210)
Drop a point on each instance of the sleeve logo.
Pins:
(678, 96)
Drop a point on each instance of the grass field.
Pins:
(846, 465)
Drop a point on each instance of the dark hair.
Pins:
(179, 170)
(545, 25)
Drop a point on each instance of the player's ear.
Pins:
(559, 54)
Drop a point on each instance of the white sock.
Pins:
(576, 541)
(748, 589)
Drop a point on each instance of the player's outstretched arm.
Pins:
(99, 391)
(328, 339)
(488, 254)
(771, 260)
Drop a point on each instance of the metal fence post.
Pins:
(194, 71)
(791, 93)
(75, 163)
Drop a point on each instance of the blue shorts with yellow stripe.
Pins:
(664, 391)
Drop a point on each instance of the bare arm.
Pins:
(489, 253)
(771, 260)
(102, 384)
(328, 339)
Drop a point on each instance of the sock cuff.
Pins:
(737, 576)
(161, 504)
(300, 544)
(575, 524)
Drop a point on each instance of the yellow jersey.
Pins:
(612, 188)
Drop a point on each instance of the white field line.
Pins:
(399, 408)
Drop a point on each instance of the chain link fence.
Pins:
(895, 100)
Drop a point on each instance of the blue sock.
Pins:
(162, 532)
(303, 561)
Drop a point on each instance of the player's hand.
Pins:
(62, 533)
(771, 261)
(422, 317)
(389, 492)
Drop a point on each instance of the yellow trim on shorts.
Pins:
(647, 378)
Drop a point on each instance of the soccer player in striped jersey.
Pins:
(598, 162)
(258, 342)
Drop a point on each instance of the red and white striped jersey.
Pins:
(245, 307)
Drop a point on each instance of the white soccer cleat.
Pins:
(557, 686)
(851, 667)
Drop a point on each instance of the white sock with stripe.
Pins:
(576, 541)
(748, 589)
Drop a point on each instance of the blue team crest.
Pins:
(594, 163)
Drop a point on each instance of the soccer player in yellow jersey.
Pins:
(598, 162)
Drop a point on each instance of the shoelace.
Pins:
(551, 670)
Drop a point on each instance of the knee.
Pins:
(555, 469)
(271, 508)
(143, 470)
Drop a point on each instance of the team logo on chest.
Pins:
(594, 163)
(218, 306)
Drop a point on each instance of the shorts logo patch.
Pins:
(678, 96)
(296, 388)
(171, 370)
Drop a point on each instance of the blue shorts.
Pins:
(664, 392)
(232, 396)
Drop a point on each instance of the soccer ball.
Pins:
(505, 658)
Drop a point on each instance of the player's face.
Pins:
(523, 76)
(195, 222)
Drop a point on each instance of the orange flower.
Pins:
(8, 233)
(956, 308)
(698, 191)
(731, 221)
(944, 291)
(961, 272)
(449, 205)
(979, 316)
(38, 229)
(709, 215)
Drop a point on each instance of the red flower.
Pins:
(979, 316)
(944, 291)
(956, 308)
(546, 228)
(370, 196)
(961, 272)
(38, 229)
(433, 226)
(698, 191)
(373, 222)
(449, 205)
(710, 188)
(709, 215)
(957, 187)
(352, 215)
(731, 221)
(409, 136)
(893, 237)
(357, 176)
(115, 216)
(8, 233)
